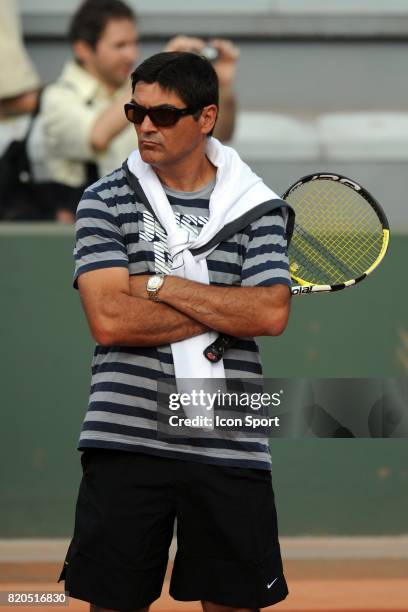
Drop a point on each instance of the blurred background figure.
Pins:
(19, 99)
(86, 132)
(19, 81)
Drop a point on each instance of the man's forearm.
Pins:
(238, 311)
(224, 127)
(109, 124)
(133, 321)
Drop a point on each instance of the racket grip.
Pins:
(215, 351)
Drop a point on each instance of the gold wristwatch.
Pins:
(153, 286)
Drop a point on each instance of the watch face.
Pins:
(155, 282)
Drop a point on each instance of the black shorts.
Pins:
(228, 550)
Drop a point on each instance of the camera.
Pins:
(208, 51)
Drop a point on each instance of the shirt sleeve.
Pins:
(99, 240)
(266, 259)
(67, 123)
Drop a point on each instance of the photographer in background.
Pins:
(86, 132)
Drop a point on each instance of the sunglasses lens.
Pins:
(164, 117)
(134, 113)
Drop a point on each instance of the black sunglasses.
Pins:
(161, 116)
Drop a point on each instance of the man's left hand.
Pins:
(228, 54)
(226, 64)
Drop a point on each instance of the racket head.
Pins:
(341, 233)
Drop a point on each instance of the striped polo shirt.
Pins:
(114, 228)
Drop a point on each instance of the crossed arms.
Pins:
(119, 312)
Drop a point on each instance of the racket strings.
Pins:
(314, 252)
(343, 237)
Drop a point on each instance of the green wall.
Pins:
(322, 486)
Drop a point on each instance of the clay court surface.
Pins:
(344, 574)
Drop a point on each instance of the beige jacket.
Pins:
(69, 108)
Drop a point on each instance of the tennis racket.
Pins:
(340, 236)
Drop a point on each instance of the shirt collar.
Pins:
(83, 82)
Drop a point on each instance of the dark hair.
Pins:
(92, 17)
(189, 75)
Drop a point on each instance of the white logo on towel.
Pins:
(153, 232)
(271, 583)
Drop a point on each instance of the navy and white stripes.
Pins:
(115, 229)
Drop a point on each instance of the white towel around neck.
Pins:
(237, 190)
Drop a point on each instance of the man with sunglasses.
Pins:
(82, 113)
(151, 297)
